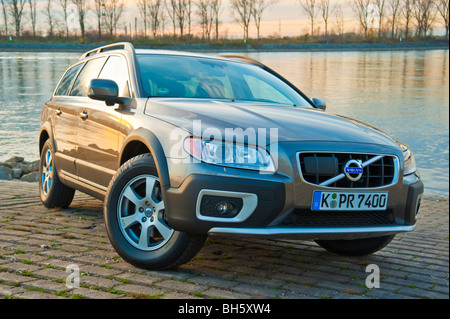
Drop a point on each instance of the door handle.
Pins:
(83, 115)
(58, 112)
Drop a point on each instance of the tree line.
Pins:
(393, 17)
(379, 18)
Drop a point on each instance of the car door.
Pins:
(98, 130)
(63, 113)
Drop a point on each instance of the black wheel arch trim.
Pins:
(46, 128)
(149, 139)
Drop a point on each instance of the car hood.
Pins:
(292, 123)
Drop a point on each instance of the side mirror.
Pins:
(106, 90)
(319, 103)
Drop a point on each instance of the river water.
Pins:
(403, 93)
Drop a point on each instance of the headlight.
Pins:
(409, 161)
(230, 154)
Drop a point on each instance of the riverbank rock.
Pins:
(5, 172)
(16, 168)
(30, 177)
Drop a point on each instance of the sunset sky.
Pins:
(286, 17)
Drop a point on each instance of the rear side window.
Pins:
(90, 71)
(64, 84)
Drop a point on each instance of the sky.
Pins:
(286, 17)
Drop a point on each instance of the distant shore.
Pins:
(265, 47)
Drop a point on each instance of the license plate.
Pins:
(349, 201)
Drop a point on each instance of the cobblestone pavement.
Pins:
(38, 244)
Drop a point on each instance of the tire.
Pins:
(356, 247)
(134, 203)
(53, 193)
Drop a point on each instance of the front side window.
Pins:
(198, 77)
(66, 81)
(90, 71)
(116, 69)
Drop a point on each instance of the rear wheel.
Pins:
(356, 247)
(136, 220)
(53, 193)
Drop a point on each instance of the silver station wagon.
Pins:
(181, 146)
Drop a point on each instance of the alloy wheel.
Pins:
(141, 214)
(47, 173)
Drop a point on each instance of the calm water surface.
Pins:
(403, 93)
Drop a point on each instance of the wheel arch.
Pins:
(143, 141)
(44, 135)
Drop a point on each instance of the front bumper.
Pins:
(269, 200)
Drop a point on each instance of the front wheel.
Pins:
(356, 247)
(53, 193)
(136, 223)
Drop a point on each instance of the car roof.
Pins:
(128, 47)
(171, 52)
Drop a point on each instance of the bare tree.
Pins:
(257, 11)
(442, 8)
(82, 9)
(49, 15)
(242, 11)
(407, 12)
(339, 24)
(381, 10)
(189, 14)
(113, 12)
(142, 6)
(178, 12)
(216, 4)
(361, 9)
(16, 8)
(156, 16)
(32, 4)
(99, 6)
(394, 8)
(64, 6)
(206, 17)
(327, 9)
(309, 6)
(424, 14)
(170, 5)
(5, 15)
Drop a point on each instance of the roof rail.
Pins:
(115, 46)
(242, 58)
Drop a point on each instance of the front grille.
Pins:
(317, 168)
(308, 218)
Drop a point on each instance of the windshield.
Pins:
(198, 77)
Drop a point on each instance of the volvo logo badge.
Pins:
(353, 169)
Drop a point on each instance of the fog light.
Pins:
(220, 206)
(225, 208)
